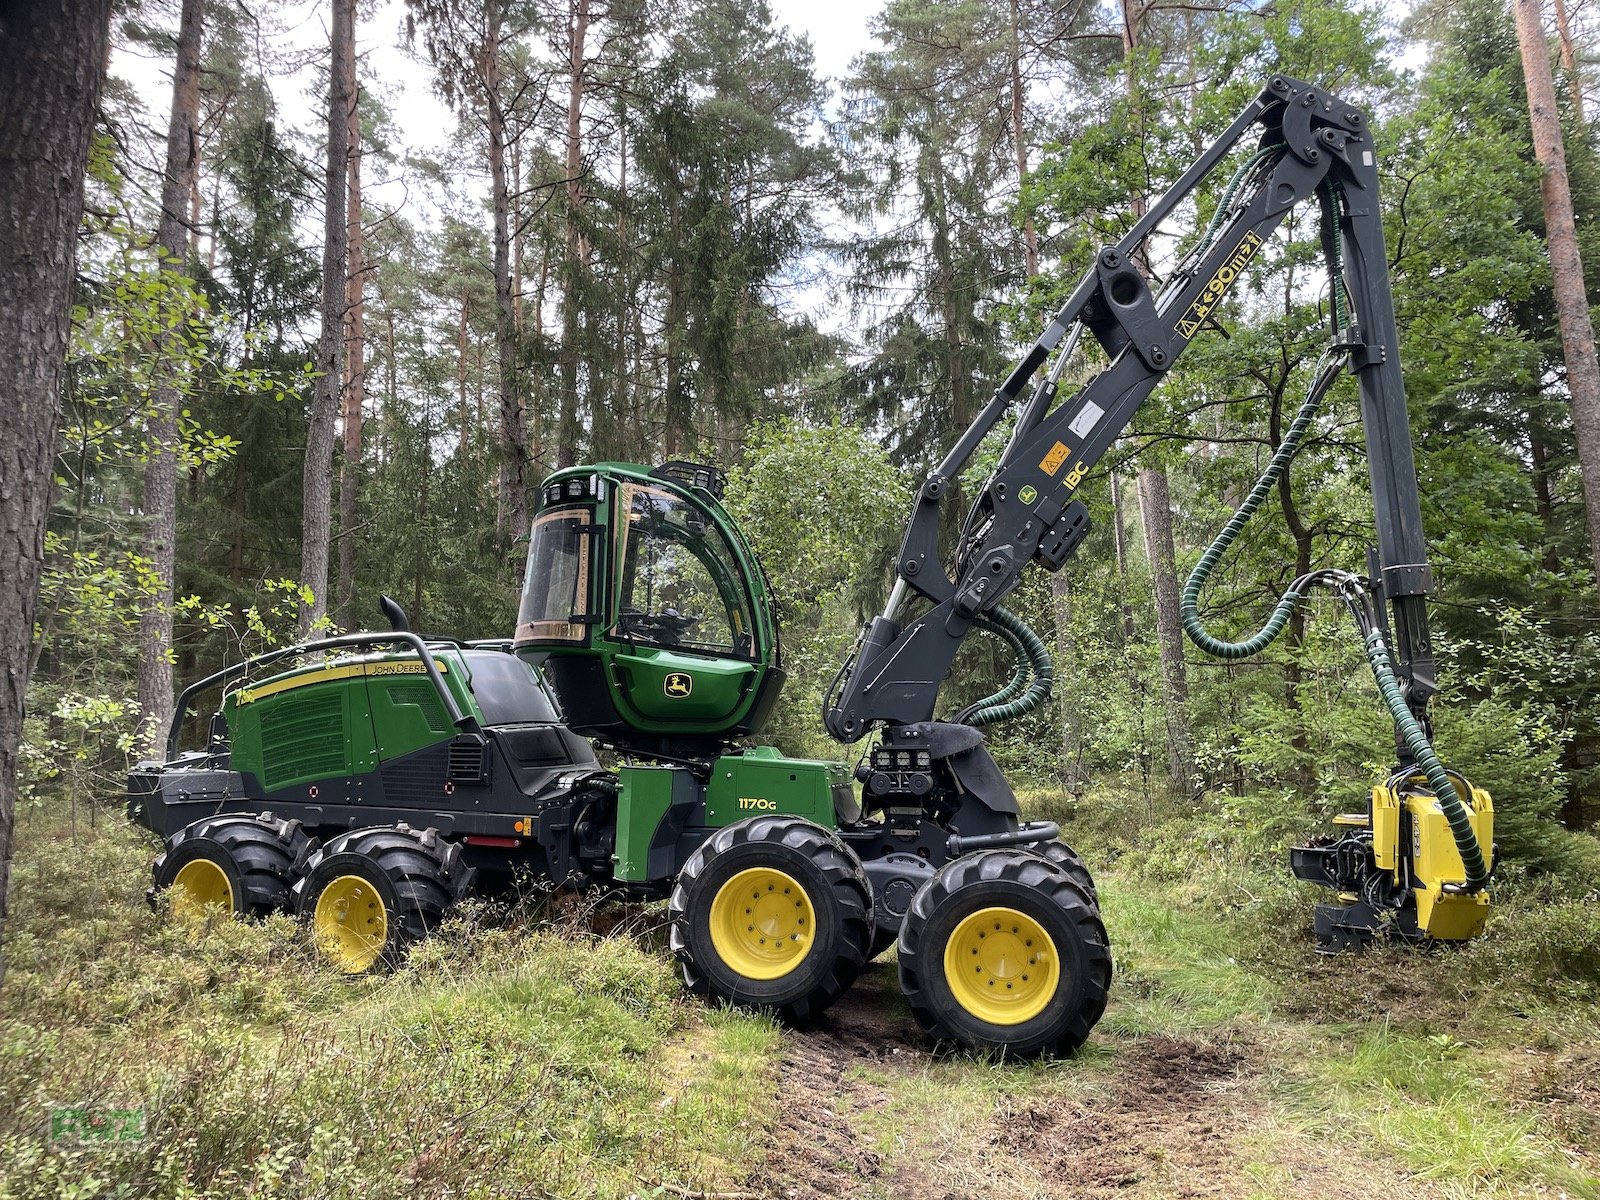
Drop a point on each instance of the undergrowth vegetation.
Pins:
(515, 1053)
(544, 1047)
(1477, 1066)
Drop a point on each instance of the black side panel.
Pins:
(417, 779)
(979, 776)
(580, 683)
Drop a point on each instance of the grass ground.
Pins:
(523, 1054)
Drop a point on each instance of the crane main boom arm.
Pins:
(1312, 144)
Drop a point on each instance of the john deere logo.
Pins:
(678, 684)
(1028, 494)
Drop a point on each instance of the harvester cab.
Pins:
(646, 611)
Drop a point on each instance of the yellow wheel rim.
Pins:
(762, 923)
(350, 924)
(200, 885)
(1001, 966)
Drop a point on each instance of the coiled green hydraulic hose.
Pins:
(1033, 663)
(1020, 675)
(1190, 605)
(1406, 724)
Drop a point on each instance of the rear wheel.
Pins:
(772, 913)
(369, 895)
(1003, 951)
(242, 864)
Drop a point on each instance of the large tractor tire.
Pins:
(772, 913)
(1065, 857)
(239, 863)
(369, 895)
(1002, 951)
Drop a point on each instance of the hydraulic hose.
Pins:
(1190, 605)
(1406, 724)
(1033, 663)
(1416, 740)
(1021, 675)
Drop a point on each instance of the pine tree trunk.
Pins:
(355, 387)
(513, 506)
(1566, 264)
(567, 433)
(1071, 717)
(53, 59)
(1060, 586)
(1295, 634)
(461, 395)
(1155, 512)
(317, 481)
(1119, 542)
(154, 685)
(1569, 60)
(1155, 508)
(676, 432)
(1030, 236)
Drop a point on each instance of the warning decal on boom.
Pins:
(1189, 324)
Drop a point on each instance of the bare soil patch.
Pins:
(1176, 1120)
(1174, 1107)
(818, 1146)
(1170, 1112)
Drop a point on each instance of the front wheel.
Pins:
(1065, 857)
(1003, 951)
(772, 913)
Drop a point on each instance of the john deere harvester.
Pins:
(371, 781)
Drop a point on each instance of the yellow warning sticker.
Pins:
(1189, 324)
(1059, 453)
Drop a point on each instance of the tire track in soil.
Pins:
(1172, 1109)
(819, 1149)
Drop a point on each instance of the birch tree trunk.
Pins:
(53, 59)
(1566, 264)
(154, 684)
(317, 480)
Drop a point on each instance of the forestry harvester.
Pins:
(370, 781)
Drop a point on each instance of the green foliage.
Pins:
(818, 504)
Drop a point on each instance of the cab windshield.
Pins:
(555, 590)
(679, 583)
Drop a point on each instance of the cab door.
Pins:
(683, 613)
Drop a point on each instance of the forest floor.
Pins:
(524, 1052)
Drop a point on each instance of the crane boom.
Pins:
(1312, 145)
